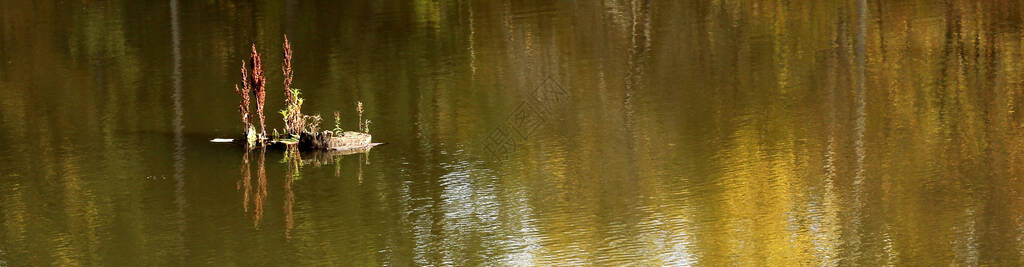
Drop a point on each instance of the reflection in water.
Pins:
(698, 132)
(293, 161)
(859, 126)
(639, 45)
(827, 236)
(178, 124)
(244, 184)
(259, 192)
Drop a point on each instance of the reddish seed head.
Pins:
(258, 87)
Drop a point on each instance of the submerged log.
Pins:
(327, 140)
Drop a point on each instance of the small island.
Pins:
(300, 130)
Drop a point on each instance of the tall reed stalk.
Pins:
(259, 88)
(243, 104)
(294, 121)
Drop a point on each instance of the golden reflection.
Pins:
(827, 237)
(756, 133)
(860, 123)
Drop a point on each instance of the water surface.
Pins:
(519, 133)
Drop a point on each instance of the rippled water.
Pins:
(520, 133)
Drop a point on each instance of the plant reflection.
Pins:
(243, 183)
(912, 152)
(256, 195)
(260, 192)
(294, 161)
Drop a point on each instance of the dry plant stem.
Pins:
(359, 109)
(337, 122)
(312, 123)
(286, 67)
(303, 127)
(243, 104)
(293, 119)
(259, 87)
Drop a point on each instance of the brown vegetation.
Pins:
(359, 110)
(243, 104)
(293, 118)
(298, 128)
(259, 87)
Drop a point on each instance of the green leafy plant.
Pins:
(337, 123)
(294, 121)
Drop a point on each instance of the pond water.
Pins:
(518, 133)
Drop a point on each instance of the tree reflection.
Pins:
(760, 133)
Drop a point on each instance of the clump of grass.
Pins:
(294, 121)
